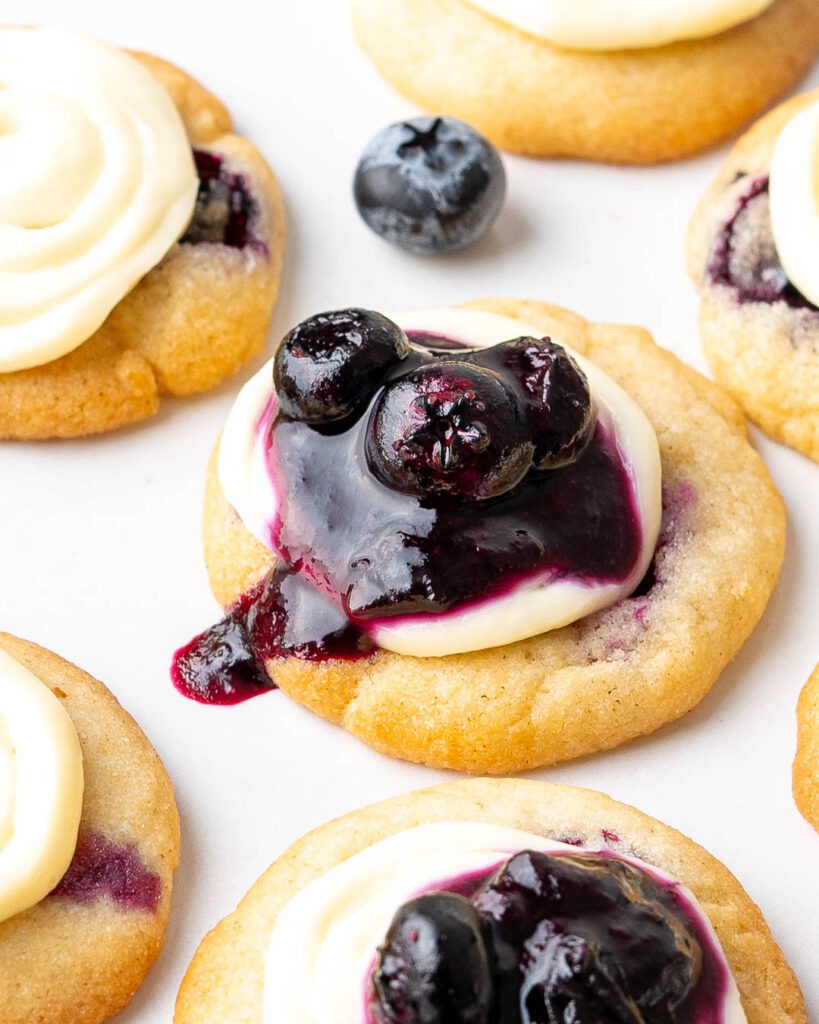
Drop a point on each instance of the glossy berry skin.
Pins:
(586, 940)
(329, 366)
(433, 967)
(449, 428)
(430, 185)
(556, 395)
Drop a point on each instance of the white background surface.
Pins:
(100, 554)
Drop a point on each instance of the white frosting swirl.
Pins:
(325, 938)
(621, 24)
(539, 604)
(41, 788)
(97, 182)
(794, 196)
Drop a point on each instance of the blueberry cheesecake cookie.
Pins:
(635, 81)
(140, 238)
(806, 763)
(753, 250)
(485, 538)
(497, 901)
(89, 841)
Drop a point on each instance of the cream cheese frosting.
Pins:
(535, 606)
(41, 788)
(324, 940)
(97, 181)
(621, 24)
(794, 196)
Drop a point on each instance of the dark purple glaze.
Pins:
(224, 207)
(744, 255)
(391, 554)
(282, 615)
(356, 552)
(586, 938)
(102, 869)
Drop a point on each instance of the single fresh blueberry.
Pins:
(449, 427)
(429, 185)
(433, 967)
(556, 395)
(330, 365)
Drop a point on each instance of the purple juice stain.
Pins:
(744, 255)
(583, 937)
(224, 207)
(283, 615)
(102, 869)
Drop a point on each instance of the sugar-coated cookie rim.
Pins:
(223, 984)
(118, 972)
(546, 711)
(530, 97)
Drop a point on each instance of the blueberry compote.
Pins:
(415, 477)
(224, 207)
(549, 939)
(744, 255)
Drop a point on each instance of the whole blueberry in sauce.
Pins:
(548, 939)
(329, 365)
(414, 477)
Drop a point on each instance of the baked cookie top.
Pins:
(619, 672)
(532, 94)
(806, 762)
(226, 978)
(79, 954)
(153, 267)
(760, 334)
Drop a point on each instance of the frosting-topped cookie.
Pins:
(629, 81)
(515, 629)
(752, 248)
(89, 841)
(137, 233)
(610, 905)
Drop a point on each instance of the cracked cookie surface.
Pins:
(617, 674)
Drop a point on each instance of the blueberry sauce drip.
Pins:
(744, 255)
(365, 536)
(391, 554)
(224, 207)
(102, 869)
(557, 939)
(282, 615)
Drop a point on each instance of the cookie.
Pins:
(135, 327)
(79, 954)
(806, 763)
(619, 672)
(760, 334)
(225, 979)
(633, 105)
